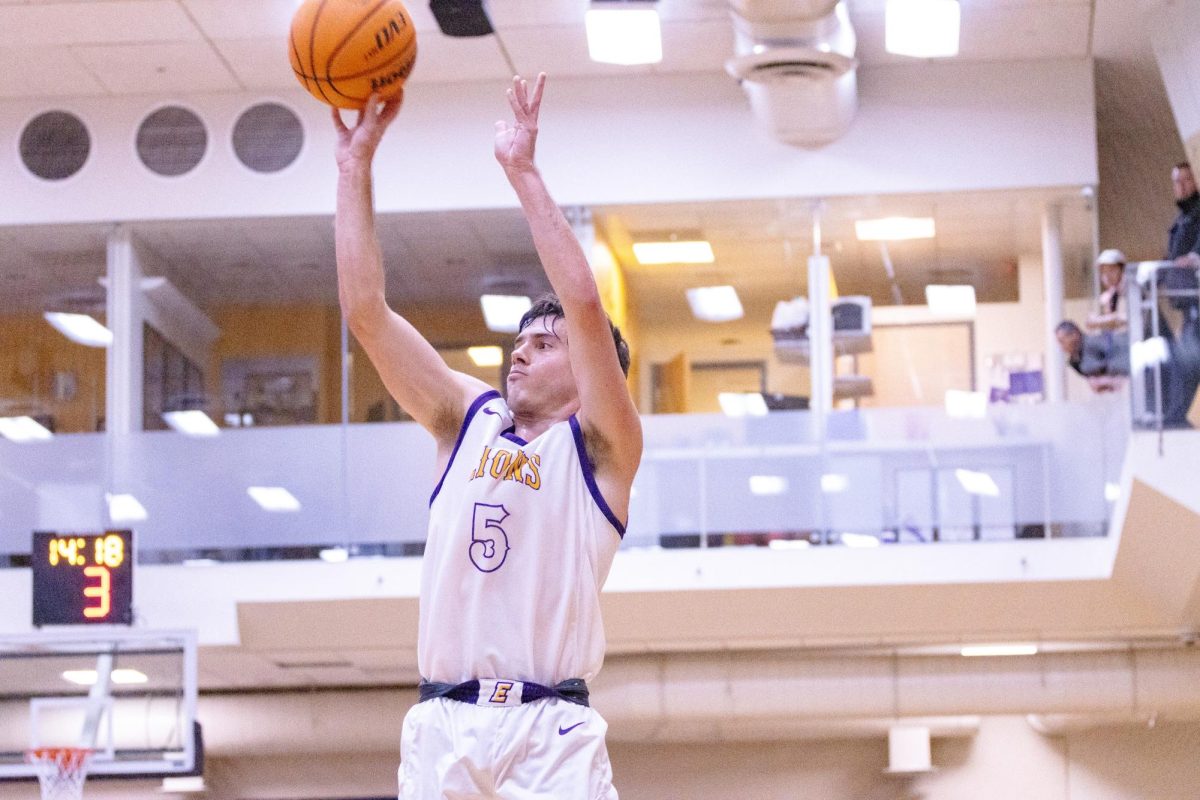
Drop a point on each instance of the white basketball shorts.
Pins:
(545, 750)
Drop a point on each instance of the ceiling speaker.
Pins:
(461, 18)
(55, 145)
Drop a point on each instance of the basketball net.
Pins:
(61, 771)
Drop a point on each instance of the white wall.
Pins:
(1007, 760)
(1173, 26)
(920, 128)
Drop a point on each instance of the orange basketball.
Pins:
(342, 50)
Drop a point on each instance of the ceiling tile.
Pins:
(144, 68)
(509, 13)
(558, 51)
(258, 63)
(237, 19)
(43, 72)
(701, 46)
(445, 59)
(95, 23)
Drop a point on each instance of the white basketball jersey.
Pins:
(520, 544)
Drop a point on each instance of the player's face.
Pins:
(540, 379)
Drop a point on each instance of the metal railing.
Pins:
(1164, 342)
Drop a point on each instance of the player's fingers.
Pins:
(518, 89)
(518, 111)
(370, 111)
(535, 103)
(391, 108)
(338, 123)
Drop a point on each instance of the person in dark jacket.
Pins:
(1182, 313)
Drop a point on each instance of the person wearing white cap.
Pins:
(1112, 312)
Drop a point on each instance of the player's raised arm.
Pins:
(413, 372)
(607, 413)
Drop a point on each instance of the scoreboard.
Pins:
(83, 578)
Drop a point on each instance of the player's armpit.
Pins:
(613, 467)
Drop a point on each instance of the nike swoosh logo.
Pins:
(564, 731)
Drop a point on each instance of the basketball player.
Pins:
(527, 515)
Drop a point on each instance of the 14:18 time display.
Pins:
(82, 578)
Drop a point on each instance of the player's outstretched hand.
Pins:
(358, 143)
(515, 143)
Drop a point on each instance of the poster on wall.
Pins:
(1015, 378)
(277, 390)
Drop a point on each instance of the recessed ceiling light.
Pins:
(894, 229)
(125, 508)
(274, 498)
(502, 312)
(624, 33)
(976, 650)
(334, 555)
(834, 483)
(80, 328)
(681, 252)
(191, 423)
(486, 355)
(767, 485)
(922, 28)
(715, 303)
(950, 301)
(742, 404)
(187, 784)
(977, 483)
(859, 540)
(87, 677)
(962, 404)
(23, 429)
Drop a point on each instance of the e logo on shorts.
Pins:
(500, 693)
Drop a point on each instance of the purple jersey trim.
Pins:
(462, 432)
(590, 479)
(512, 437)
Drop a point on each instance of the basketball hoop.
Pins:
(61, 771)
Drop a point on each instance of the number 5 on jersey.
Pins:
(489, 542)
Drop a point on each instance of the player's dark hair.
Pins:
(548, 305)
(1066, 326)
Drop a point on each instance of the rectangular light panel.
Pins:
(894, 229)
(624, 36)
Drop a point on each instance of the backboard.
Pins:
(128, 694)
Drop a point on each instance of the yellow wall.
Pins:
(31, 352)
(249, 332)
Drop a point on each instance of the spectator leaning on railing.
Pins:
(1102, 358)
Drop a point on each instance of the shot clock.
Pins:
(83, 578)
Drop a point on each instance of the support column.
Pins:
(1052, 283)
(820, 342)
(125, 316)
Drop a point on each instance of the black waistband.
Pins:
(573, 690)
